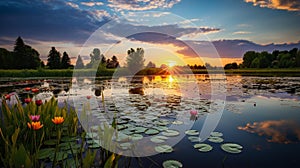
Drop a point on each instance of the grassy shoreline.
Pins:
(111, 72)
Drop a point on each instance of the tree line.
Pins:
(276, 59)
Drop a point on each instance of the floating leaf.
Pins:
(136, 137)
(162, 122)
(123, 138)
(170, 132)
(215, 139)
(151, 132)
(194, 138)
(216, 134)
(159, 139)
(125, 146)
(192, 132)
(177, 122)
(203, 147)
(160, 128)
(69, 139)
(232, 148)
(140, 130)
(94, 146)
(163, 149)
(172, 164)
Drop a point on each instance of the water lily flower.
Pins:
(35, 125)
(193, 112)
(27, 89)
(88, 97)
(58, 120)
(35, 90)
(34, 118)
(7, 97)
(38, 102)
(27, 100)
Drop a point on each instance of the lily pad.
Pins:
(172, 164)
(177, 122)
(215, 139)
(125, 146)
(94, 146)
(162, 122)
(123, 138)
(140, 130)
(216, 134)
(45, 153)
(170, 132)
(203, 147)
(192, 132)
(151, 132)
(69, 139)
(160, 128)
(136, 137)
(194, 138)
(164, 149)
(159, 139)
(232, 148)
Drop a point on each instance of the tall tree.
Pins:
(151, 65)
(298, 59)
(25, 56)
(53, 59)
(135, 60)
(112, 63)
(249, 56)
(95, 58)
(65, 61)
(79, 63)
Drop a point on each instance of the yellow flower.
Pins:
(58, 120)
(35, 125)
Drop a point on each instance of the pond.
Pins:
(197, 120)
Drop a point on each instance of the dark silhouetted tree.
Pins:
(65, 61)
(79, 63)
(231, 66)
(25, 56)
(112, 63)
(151, 65)
(135, 60)
(249, 56)
(53, 59)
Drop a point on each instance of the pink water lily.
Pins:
(35, 118)
(193, 112)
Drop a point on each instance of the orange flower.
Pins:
(58, 120)
(35, 125)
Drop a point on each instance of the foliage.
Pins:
(65, 61)
(112, 63)
(231, 66)
(276, 59)
(79, 63)
(135, 60)
(53, 59)
(23, 57)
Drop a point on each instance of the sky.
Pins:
(170, 31)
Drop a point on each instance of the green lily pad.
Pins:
(216, 134)
(159, 139)
(136, 137)
(164, 149)
(215, 139)
(162, 122)
(172, 164)
(91, 135)
(160, 128)
(45, 153)
(120, 127)
(127, 132)
(50, 142)
(125, 146)
(94, 146)
(177, 122)
(203, 147)
(151, 132)
(170, 132)
(194, 139)
(192, 132)
(232, 148)
(139, 130)
(123, 138)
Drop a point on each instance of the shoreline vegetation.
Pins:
(148, 71)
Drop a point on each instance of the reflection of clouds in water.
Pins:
(282, 131)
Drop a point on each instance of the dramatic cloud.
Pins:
(282, 131)
(49, 20)
(290, 5)
(141, 5)
(90, 4)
